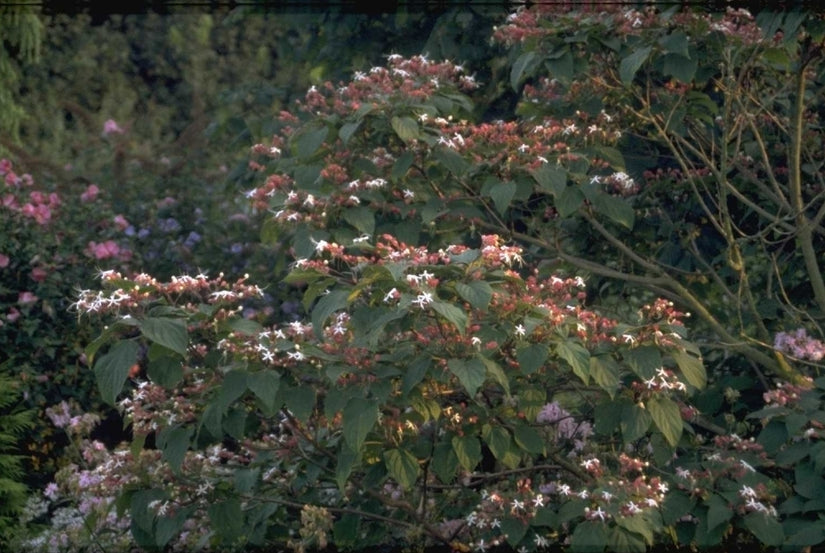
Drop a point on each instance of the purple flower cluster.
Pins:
(798, 344)
(567, 427)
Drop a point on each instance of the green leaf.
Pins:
(347, 130)
(309, 140)
(502, 194)
(174, 443)
(142, 516)
(719, 511)
(112, 370)
(170, 333)
(635, 422)
(326, 306)
(644, 361)
(468, 451)
(359, 416)
(445, 462)
(531, 402)
(681, 68)
(495, 372)
(588, 537)
(300, 400)
(630, 65)
(232, 387)
(477, 293)
(528, 439)
(767, 529)
(167, 527)
(616, 209)
(452, 313)
(551, 179)
(531, 358)
(345, 531)
(227, 519)
(401, 166)
(692, 368)
(402, 466)
(470, 372)
(524, 64)
(166, 370)
(212, 419)
(343, 466)
(667, 417)
(605, 373)
(619, 539)
(406, 128)
(569, 201)
(454, 163)
(514, 529)
(675, 43)
(577, 356)
(264, 384)
(362, 218)
(497, 439)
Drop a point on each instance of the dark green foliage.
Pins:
(14, 423)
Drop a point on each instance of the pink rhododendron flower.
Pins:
(111, 127)
(90, 194)
(121, 223)
(4, 261)
(38, 274)
(103, 250)
(25, 298)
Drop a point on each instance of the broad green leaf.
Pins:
(635, 422)
(470, 372)
(514, 529)
(452, 313)
(477, 293)
(681, 68)
(326, 306)
(227, 519)
(577, 356)
(468, 451)
(173, 441)
(347, 130)
(445, 462)
(359, 416)
(346, 461)
(528, 439)
(589, 536)
(551, 179)
(166, 370)
(605, 373)
(616, 209)
(402, 165)
(454, 163)
(531, 402)
(142, 515)
(212, 420)
(345, 531)
(170, 333)
(719, 511)
(497, 439)
(300, 400)
(264, 384)
(245, 479)
(675, 43)
(309, 140)
(619, 539)
(524, 64)
(232, 387)
(112, 370)
(532, 357)
(402, 467)
(245, 326)
(167, 527)
(767, 529)
(502, 194)
(630, 65)
(406, 128)
(667, 417)
(362, 218)
(561, 66)
(569, 201)
(496, 373)
(644, 361)
(692, 368)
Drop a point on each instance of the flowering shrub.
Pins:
(50, 242)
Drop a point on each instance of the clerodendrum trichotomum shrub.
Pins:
(451, 383)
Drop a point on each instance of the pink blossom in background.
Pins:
(4, 261)
(13, 314)
(10, 201)
(25, 298)
(5, 166)
(90, 194)
(121, 223)
(103, 250)
(12, 179)
(39, 274)
(111, 127)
